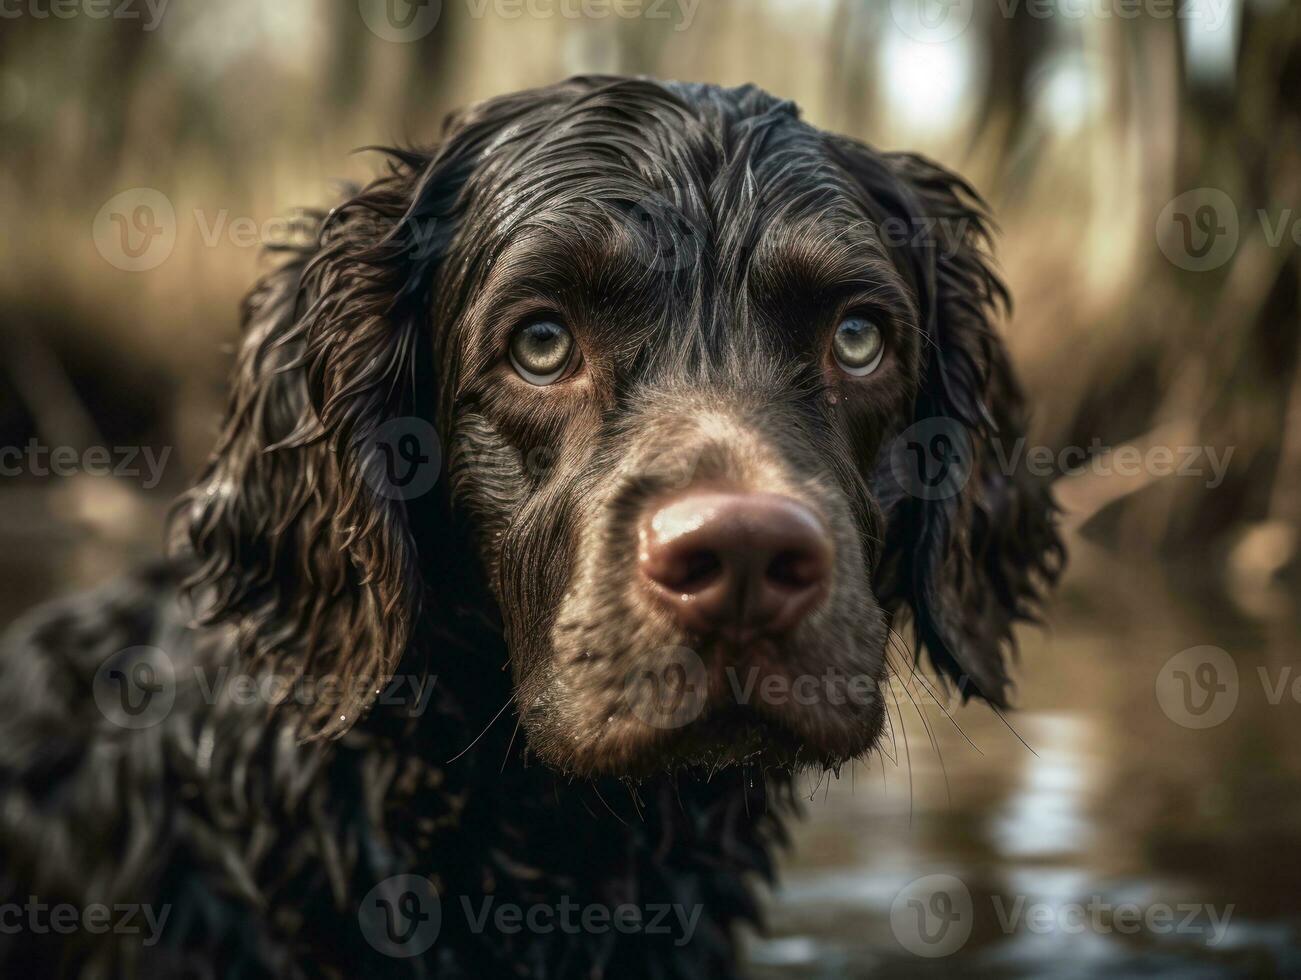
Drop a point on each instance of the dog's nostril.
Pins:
(794, 569)
(682, 571)
(700, 569)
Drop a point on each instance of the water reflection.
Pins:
(1117, 840)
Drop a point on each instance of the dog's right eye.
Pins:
(541, 351)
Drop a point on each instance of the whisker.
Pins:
(596, 789)
(485, 730)
(931, 691)
(939, 754)
(907, 754)
(511, 744)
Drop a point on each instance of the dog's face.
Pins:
(669, 384)
(675, 332)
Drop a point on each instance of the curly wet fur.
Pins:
(261, 829)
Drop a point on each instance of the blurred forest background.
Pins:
(1146, 174)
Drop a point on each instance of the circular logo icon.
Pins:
(668, 240)
(1199, 230)
(1198, 687)
(135, 687)
(671, 469)
(135, 231)
(400, 21)
(932, 916)
(932, 21)
(932, 459)
(401, 916)
(402, 458)
(669, 690)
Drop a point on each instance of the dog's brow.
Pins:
(561, 249)
(824, 255)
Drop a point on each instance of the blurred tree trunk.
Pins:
(1015, 47)
(1241, 324)
(851, 60)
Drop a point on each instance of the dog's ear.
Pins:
(299, 526)
(971, 539)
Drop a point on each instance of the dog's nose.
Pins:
(736, 564)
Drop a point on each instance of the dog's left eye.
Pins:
(541, 351)
(859, 346)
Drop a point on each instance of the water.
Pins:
(1116, 841)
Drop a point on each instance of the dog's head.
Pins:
(715, 392)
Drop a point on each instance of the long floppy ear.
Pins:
(299, 545)
(971, 539)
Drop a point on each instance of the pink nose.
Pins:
(736, 564)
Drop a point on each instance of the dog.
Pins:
(573, 485)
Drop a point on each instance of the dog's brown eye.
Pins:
(859, 346)
(541, 351)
